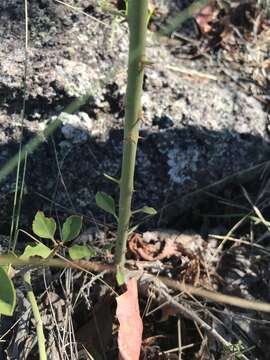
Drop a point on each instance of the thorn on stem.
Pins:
(143, 63)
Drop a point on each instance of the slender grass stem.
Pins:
(39, 326)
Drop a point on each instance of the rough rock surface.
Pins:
(195, 131)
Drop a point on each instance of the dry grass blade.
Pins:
(80, 11)
(235, 176)
(256, 210)
(240, 241)
(163, 297)
(217, 297)
(191, 72)
(228, 235)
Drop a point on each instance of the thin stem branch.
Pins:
(85, 265)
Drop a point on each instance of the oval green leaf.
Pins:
(36, 250)
(7, 294)
(71, 228)
(43, 226)
(105, 202)
(146, 210)
(77, 252)
(149, 210)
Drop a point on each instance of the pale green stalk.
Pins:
(39, 326)
(137, 21)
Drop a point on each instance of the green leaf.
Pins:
(71, 228)
(149, 210)
(43, 226)
(120, 277)
(7, 294)
(105, 202)
(77, 252)
(36, 250)
(111, 178)
(146, 210)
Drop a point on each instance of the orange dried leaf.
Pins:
(153, 252)
(207, 14)
(131, 326)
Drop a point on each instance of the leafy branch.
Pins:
(45, 228)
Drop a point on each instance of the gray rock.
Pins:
(212, 129)
(76, 128)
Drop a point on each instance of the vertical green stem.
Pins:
(39, 326)
(137, 21)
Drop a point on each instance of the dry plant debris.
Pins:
(131, 326)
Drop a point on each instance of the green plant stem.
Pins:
(137, 21)
(36, 263)
(39, 326)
